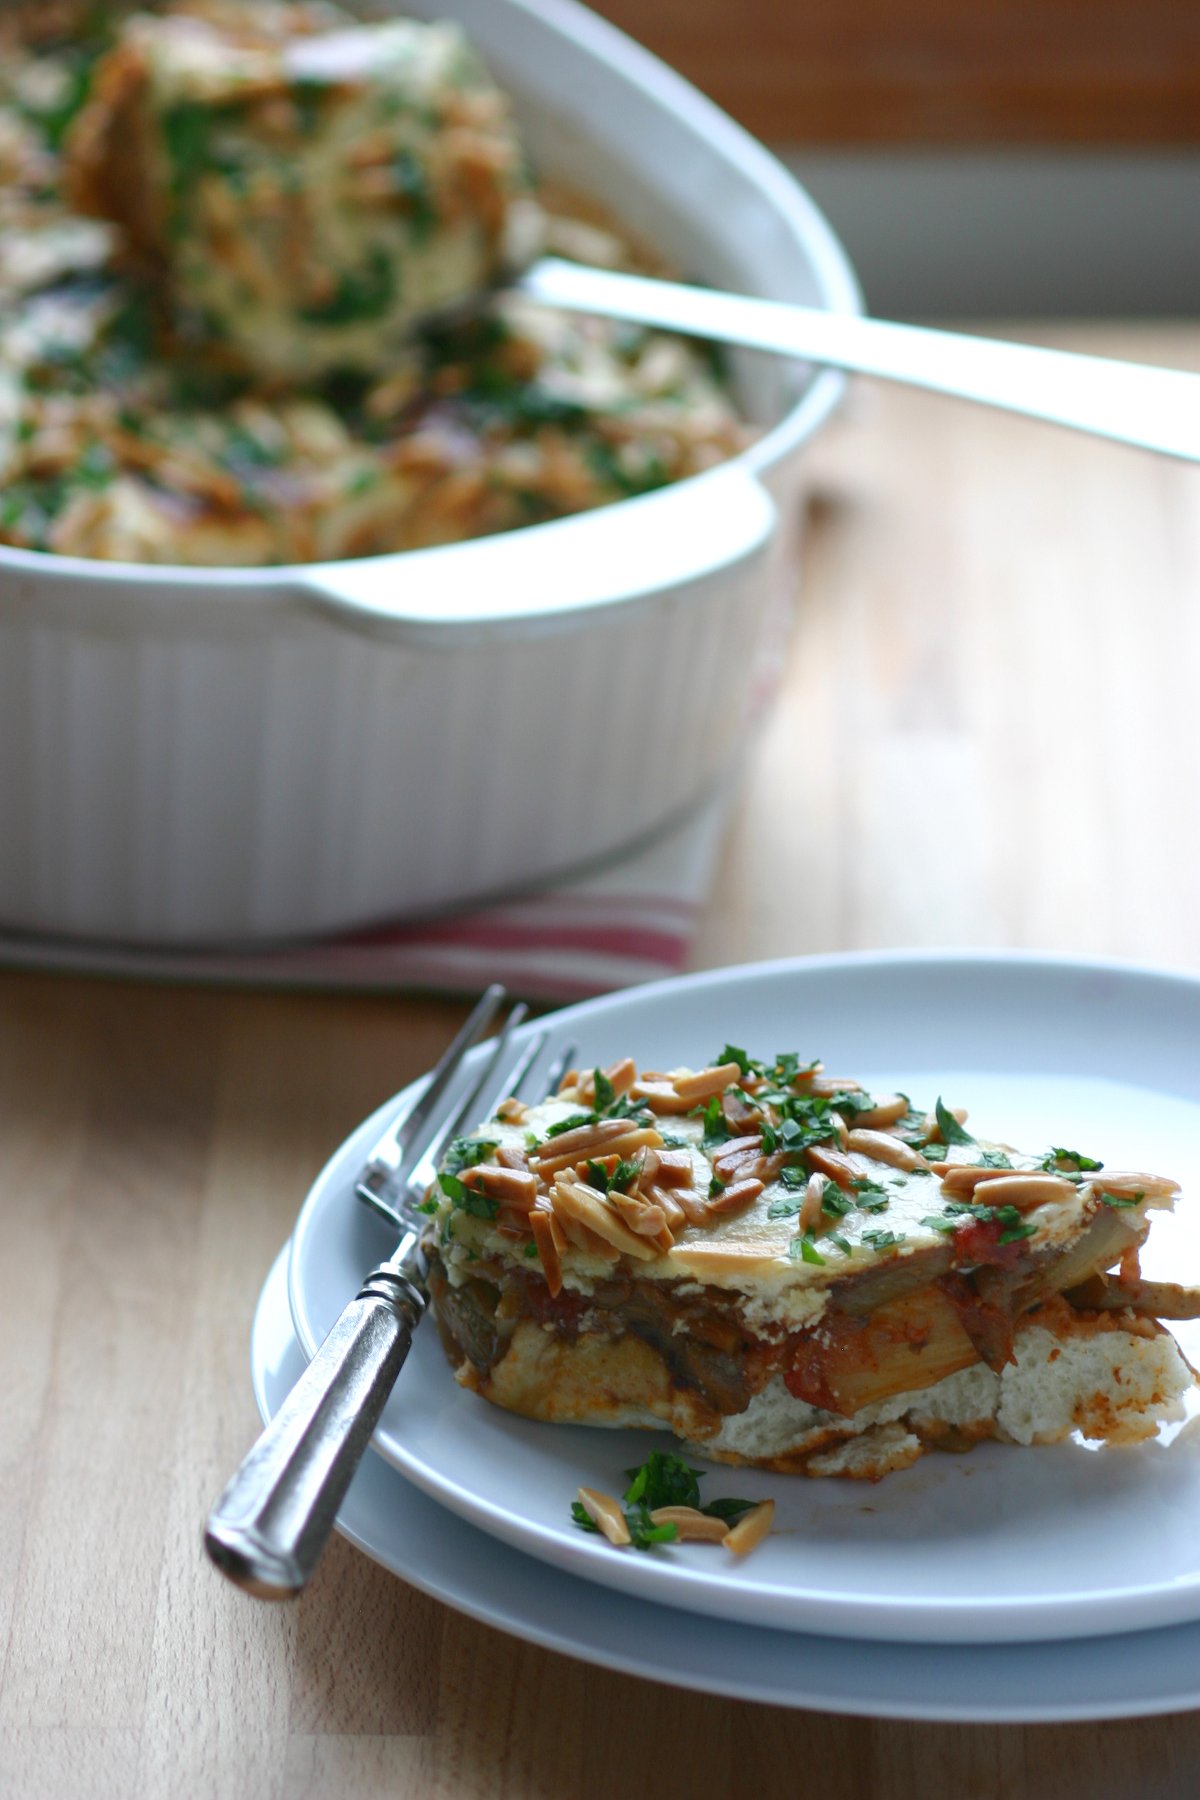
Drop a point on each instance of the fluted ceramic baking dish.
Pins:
(203, 756)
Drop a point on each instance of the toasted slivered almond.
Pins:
(591, 1139)
(690, 1525)
(569, 1080)
(813, 1203)
(704, 1083)
(546, 1229)
(884, 1112)
(511, 1156)
(585, 1239)
(545, 1207)
(659, 1096)
(620, 1078)
(512, 1111)
(516, 1187)
(673, 1168)
(646, 1160)
(834, 1163)
(668, 1205)
(964, 1178)
(1027, 1191)
(640, 1215)
(695, 1207)
(736, 1197)
(840, 1126)
(881, 1146)
(1127, 1184)
(606, 1514)
(824, 1086)
(590, 1208)
(574, 1146)
(622, 1074)
(733, 1168)
(751, 1528)
(738, 1146)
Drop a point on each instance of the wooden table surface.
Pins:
(999, 638)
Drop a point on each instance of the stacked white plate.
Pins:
(1044, 1584)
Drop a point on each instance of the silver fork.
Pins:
(269, 1527)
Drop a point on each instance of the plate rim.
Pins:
(944, 1619)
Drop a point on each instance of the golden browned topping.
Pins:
(245, 422)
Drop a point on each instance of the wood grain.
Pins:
(861, 72)
(986, 733)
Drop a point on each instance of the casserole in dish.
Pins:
(196, 756)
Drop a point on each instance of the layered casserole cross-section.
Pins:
(784, 1269)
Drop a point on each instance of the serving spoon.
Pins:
(1135, 403)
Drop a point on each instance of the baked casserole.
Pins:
(786, 1270)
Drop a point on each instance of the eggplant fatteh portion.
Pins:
(307, 198)
(788, 1271)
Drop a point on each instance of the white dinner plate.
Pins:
(1004, 1544)
(391, 1522)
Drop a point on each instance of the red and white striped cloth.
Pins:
(632, 920)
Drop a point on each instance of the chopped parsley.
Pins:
(872, 1197)
(609, 1105)
(803, 1249)
(662, 1480)
(469, 1199)
(1118, 1199)
(952, 1132)
(570, 1123)
(1012, 1225)
(606, 1093)
(1058, 1161)
(716, 1128)
(464, 1152)
(617, 1180)
(362, 294)
(883, 1240)
(1015, 1232)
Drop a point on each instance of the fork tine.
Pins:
(473, 1105)
(382, 1167)
(559, 1067)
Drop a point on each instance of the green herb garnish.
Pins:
(952, 1132)
(1056, 1157)
(883, 1240)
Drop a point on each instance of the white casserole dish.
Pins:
(203, 756)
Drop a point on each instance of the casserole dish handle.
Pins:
(541, 578)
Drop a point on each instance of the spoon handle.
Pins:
(1157, 409)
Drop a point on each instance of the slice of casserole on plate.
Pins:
(786, 1270)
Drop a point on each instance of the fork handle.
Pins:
(269, 1527)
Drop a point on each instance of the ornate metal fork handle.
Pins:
(269, 1527)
